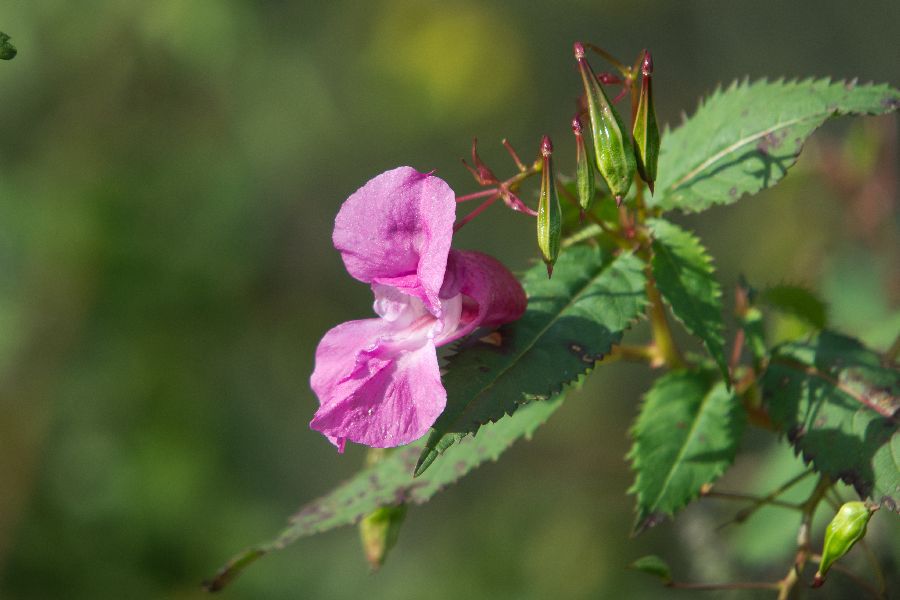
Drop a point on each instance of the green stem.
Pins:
(738, 585)
(803, 547)
(667, 351)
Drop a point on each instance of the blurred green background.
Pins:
(169, 174)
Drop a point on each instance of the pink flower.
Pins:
(377, 380)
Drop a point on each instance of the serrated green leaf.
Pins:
(390, 482)
(686, 279)
(653, 565)
(685, 436)
(572, 321)
(797, 301)
(744, 139)
(838, 406)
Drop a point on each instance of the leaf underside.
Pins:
(685, 277)
(685, 436)
(839, 406)
(572, 321)
(390, 482)
(744, 138)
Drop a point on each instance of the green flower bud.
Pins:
(7, 50)
(549, 218)
(646, 130)
(379, 531)
(612, 146)
(584, 171)
(846, 528)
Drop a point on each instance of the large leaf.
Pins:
(744, 139)
(572, 321)
(685, 436)
(838, 406)
(390, 482)
(685, 278)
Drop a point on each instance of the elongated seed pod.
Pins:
(584, 170)
(549, 218)
(646, 130)
(613, 150)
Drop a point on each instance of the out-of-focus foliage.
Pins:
(169, 174)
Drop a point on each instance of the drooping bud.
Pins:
(379, 531)
(612, 145)
(549, 217)
(7, 50)
(480, 171)
(846, 528)
(646, 130)
(584, 170)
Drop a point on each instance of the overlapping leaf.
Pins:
(744, 139)
(572, 321)
(390, 482)
(839, 406)
(684, 275)
(686, 435)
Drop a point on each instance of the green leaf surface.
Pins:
(797, 301)
(743, 139)
(838, 406)
(572, 321)
(685, 436)
(390, 482)
(685, 277)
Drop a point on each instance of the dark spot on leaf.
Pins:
(484, 369)
(461, 466)
(733, 192)
(891, 102)
(820, 422)
(680, 425)
(745, 112)
(785, 380)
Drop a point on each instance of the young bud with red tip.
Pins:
(613, 151)
(549, 218)
(584, 170)
(646, 130)
(846, 528)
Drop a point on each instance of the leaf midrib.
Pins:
(500, 374)
(687, 440)
(735, 146)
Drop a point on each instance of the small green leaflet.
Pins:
(653, 565)
(685, 278)
(572, 321)
(838, 406)
(685, 436)
(744, 139)
(798, 301)
(390, 482)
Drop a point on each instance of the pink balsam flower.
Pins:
(378, 380)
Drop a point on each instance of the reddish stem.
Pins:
(476, 212)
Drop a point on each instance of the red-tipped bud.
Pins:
(584, 170)
(549, 217)
(646, 130)
(613, 151)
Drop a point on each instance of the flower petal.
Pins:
(336, 356)
(492, 295)
(391, 402)
(396, 231)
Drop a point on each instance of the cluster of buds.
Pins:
(616, 153)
